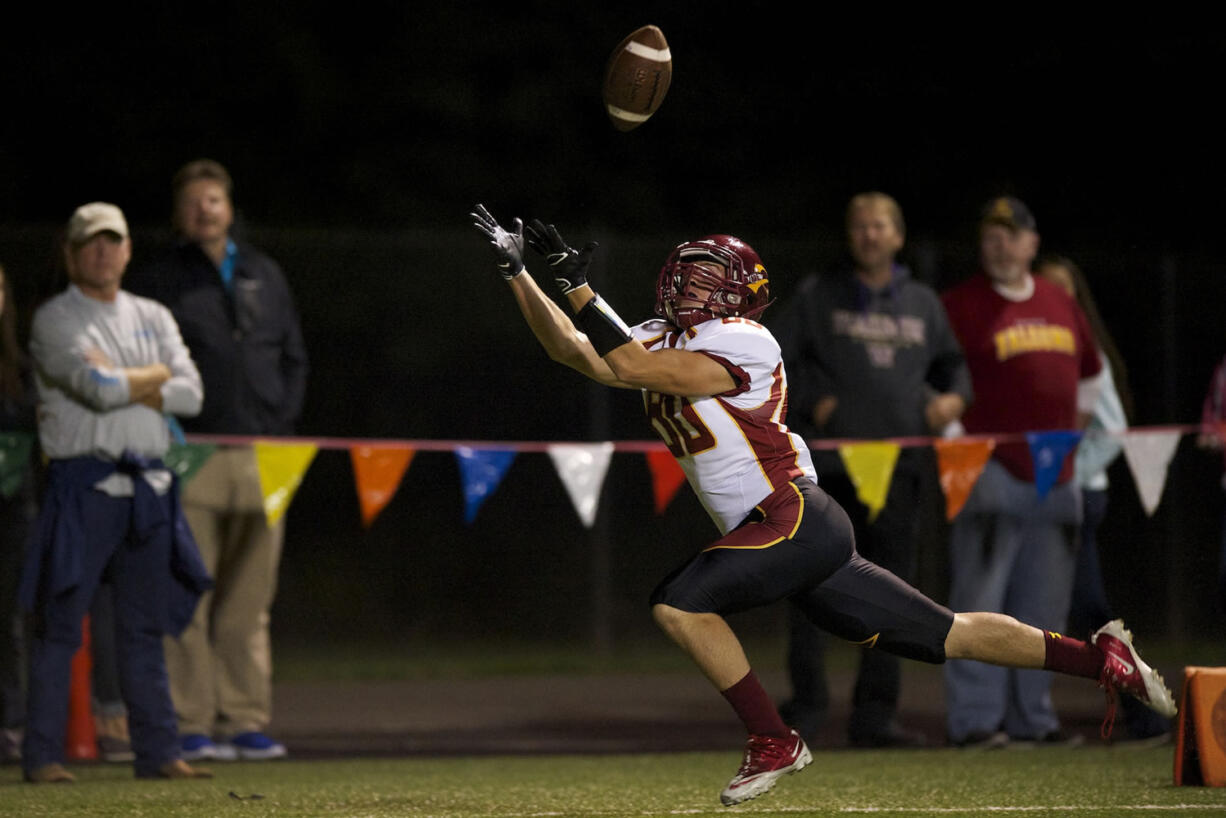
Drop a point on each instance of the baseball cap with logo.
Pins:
(91, 219)
(1008, 212)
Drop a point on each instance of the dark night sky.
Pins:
(388, 115)
(389, 120)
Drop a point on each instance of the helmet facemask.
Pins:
(708, 279)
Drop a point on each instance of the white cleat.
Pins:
(1124, 670)
(767, 759)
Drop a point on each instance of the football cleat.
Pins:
(1123, 670)
(766, 760)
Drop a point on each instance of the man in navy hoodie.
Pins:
(869, 354)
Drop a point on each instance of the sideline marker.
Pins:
(1200, 740)
(80, 740)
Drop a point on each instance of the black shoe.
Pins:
(894, 735)
(982, 741)
(1055, 738)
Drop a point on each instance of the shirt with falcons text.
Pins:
(733, 447)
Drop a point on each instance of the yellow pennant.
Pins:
(281, 467)
(870, 467)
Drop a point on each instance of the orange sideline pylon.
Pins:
(1200, 739)
(80, 740)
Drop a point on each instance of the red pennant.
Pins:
(666, 478)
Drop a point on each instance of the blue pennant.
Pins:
(481, 471)
(1047, 451)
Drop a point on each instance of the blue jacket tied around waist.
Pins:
(54, 559)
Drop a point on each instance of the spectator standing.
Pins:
(1213, 415)
(870, 354)
(108, 364)
(18, 506)
(238, 318)
(1089, 608)
(1034, 366)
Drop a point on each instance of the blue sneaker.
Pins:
(196, 746)
(255, 746)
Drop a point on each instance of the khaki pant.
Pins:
(220, 668)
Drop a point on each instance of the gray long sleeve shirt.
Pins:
(85, 408)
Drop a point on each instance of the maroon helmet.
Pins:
(689, 293)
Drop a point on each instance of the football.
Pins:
(637, 77)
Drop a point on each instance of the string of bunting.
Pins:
(379, 466)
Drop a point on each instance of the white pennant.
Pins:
(582, 467)
(1149, 456)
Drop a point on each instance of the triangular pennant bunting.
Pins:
(870, 467)
(666, 477)
(582, 468)
(281, 467)
(185, 459)
(377, 471)
(481, 470)
(1149, 457)
(15, 449)
(959, 464)
(1047, 452)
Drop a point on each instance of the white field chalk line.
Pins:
(1113, 808)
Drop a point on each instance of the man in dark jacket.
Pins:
(869, 354)
(238, 318)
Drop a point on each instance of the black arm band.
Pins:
(602, 326)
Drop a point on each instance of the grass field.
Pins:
(1099, 781)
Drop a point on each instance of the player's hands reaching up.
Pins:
(569, 266)
(508, 246)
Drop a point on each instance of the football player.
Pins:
(715, 391)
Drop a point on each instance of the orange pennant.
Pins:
(377, 472)
(960, 462)
(666, 477)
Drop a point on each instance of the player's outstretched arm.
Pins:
(668, 371)
(558, 335)
(548, 322)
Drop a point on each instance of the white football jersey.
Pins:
(734, 448)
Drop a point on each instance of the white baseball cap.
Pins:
(91, 219)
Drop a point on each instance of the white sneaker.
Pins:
(196, 747)
(252, 746)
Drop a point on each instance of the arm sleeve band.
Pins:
(602, 326)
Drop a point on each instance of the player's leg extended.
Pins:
(1108, 657)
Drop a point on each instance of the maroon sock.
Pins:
(1072, 656)
(755, 708)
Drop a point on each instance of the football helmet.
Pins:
(690, 290)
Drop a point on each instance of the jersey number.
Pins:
(678, 425)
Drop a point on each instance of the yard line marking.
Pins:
(1115, 808)
(1095, 808)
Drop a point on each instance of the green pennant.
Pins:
(15, 449)
(185, 459)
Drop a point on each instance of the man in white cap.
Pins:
(109, 366)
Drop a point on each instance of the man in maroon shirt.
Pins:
(1034, 366)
